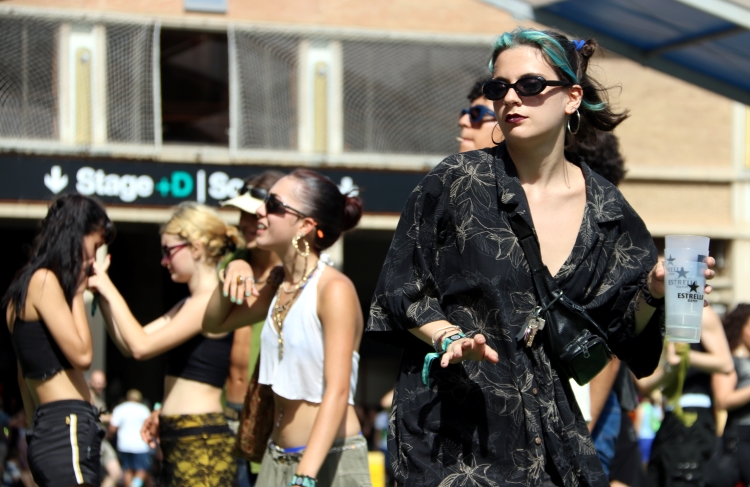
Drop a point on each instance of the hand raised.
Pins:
(98, 281)
(475, 348)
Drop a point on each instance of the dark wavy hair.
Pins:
(476, 90)
(59, 246)
(570, 61)
(734, 323)
(603, 156)
(264, 180)
(334, 212)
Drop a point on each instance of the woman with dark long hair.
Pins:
(47, 319)
(732, 393)
(495, 408)
(195, 439)
(310, 338)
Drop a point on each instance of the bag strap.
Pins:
(543, 281)
(546, 287)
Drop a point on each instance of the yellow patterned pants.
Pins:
(197, 451)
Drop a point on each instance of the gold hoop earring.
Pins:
(492, 135)
(295, 242)
(578, 125)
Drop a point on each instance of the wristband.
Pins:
(650, 300)
(434, 335)
(430, 357)
(303, 480)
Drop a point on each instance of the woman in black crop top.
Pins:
(732, 393)
(46, 316)
(192, 427)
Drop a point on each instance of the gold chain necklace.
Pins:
(280, 311)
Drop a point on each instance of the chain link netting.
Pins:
(130, 83)
(399, 96)
(29, 80)
(28, 90)
(402, 97)
(267, 70)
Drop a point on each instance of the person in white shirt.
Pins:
(127, 419)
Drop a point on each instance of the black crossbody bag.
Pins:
(574, 342)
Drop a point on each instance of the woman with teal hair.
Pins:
(494, 408)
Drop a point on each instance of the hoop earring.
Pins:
(295, 242)
(578, 125)
(492, 135)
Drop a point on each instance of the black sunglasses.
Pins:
(477, 114)
(526, 86)
(275, 206)
(257, 193)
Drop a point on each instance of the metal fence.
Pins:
(404, 97)
(398, 95)
(28, 93)
(267, 70)
(130, 83)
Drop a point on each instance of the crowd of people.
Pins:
(262, 356)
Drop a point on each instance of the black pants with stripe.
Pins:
(64, 445)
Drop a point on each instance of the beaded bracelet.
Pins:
(303, 480)
(430, 357)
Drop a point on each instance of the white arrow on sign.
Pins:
(56, 181)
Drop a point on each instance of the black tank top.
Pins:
(37, 350)
(202, 359)
(696, 381)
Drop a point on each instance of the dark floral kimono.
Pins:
(454, 257)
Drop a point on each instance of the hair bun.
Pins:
(232, 239)
(352, 212)
(588, 49)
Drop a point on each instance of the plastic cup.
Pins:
(684, 283)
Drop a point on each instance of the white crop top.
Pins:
(299, 375)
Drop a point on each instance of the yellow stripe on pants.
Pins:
(74, 445)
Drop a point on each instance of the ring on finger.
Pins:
(240, 280)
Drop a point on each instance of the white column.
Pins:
(739, 259)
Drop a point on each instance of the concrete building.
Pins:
(148, 103)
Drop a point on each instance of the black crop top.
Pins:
(202, 359)
(37, 350)
(696, 381)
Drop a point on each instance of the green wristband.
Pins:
(430, 357)
(303, 480)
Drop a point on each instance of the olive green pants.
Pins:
(345, 466)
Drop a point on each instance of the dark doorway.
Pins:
(14, 246)
(364, 254)
(194, 87)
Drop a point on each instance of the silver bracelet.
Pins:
(434, 345)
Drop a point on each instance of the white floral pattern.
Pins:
(454, 257)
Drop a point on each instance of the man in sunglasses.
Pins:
(246, 344)
(478, 123)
